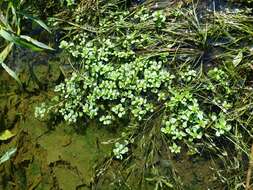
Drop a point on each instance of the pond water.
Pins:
(54, 155)
(63, 151)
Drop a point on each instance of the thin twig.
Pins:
(247, 187)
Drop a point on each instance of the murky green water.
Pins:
(55, 156)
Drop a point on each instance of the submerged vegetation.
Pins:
(11, 18)
(175, 81)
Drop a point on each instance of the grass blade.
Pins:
(8, 155)
(6, 35)
(237, 60)
(3, 56)
(38, 21)
(10, 72)
(6, 51)
(24, 41)
(35, 42)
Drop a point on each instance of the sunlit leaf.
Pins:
(24, 41)
(35, 42)
(6, 51)
(237, 60)
(5, 135)
(7, 35)
(3, 56)
(38, 21)
(4, 21)
(8, 155)
(15, 39)
(11, 72)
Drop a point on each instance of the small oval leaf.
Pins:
(237, 60)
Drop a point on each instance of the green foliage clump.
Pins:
(115, 81)
(221, 126)
(184, 119)
(109, 90)
(120, 149)
(159, 18)
(70, 2)
(179, 78)
(220, 86)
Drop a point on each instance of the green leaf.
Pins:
(6, 51)
(38, 21)
(35, 42)
(3, 56)
(8, 155)
(4, 21)
(15, 39)
(6, 35)
(10, 72)
(5, 135)
(24, 41)
(237, 60)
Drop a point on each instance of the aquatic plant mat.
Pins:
(140, 95)
(36, 154)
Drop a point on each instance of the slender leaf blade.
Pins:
(38, 21)
(237, 60)
(6, 51)
(35, 42)
(3, 56)
(24, 41)
(15, 39)
(6, 35)
(10, 72)
(8, 155)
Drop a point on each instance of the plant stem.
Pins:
(247, 187)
